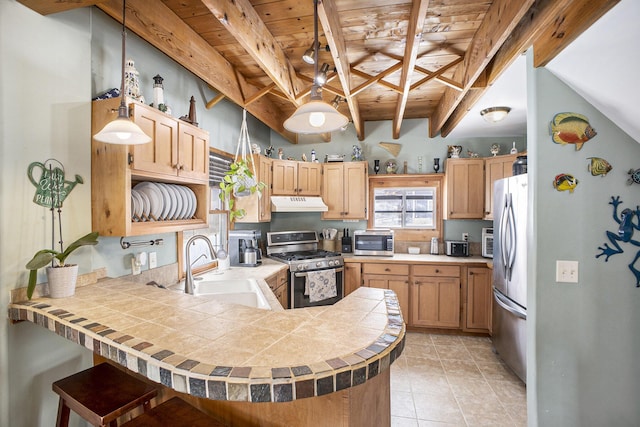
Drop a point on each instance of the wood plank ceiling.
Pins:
(388, 59)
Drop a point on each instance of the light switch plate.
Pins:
(566, 271)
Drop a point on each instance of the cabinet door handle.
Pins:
(387, 269)
(437, 271)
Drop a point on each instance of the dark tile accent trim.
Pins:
(197, 387)
(282, 392)
(165, 377)
(142, 346)
(304, 389)
(343, 380)
(162, 354)
(373, 369)
(324, 385)
(217, 390)
(241, 372)
(299, 371)
(78, 320)
(260, 392)
(188, 364)
(337, 363)
(123, 338)
(221, 371)
(359, 376)
(142, 367)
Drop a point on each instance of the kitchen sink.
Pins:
(237, 291)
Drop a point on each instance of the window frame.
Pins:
(410, 181)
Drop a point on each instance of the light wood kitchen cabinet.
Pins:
(352, 277)
(292, 178)
(478, 300)
(465, 188)
(389, 276)
(344, 190)
(115, 169)
(435, 296)
(278, 284)
(495, 168)
(177, 148)
(257, 208)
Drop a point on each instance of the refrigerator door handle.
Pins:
(512, 237)
(503, 238)
(507, 305)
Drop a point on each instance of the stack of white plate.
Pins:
(157, 201)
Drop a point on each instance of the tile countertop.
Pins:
(221, 351)
(420, 258)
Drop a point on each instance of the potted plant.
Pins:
(239, 181)
(61, 276)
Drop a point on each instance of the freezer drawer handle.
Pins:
(511, 309)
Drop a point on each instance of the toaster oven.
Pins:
(457, 248)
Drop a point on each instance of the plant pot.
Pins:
(62, 281)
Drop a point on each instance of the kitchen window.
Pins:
(411, 205)
(404, 207)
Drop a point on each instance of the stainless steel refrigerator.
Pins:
(510, 272)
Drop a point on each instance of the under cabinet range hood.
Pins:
(297, 204)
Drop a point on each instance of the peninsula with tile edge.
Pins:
(313, 366)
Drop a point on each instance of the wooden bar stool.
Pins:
(173, 412)
(100, 395)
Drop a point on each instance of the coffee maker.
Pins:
(244, 250)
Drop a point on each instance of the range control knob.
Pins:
(319, 264)
(302, 267)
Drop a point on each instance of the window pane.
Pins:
(388, 220)
(419, 220)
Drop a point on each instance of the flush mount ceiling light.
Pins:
(495, 114)
(122, 130)
(316, 116)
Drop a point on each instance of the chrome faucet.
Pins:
(188, 282)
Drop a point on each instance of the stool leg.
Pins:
(63, 414)
(146, 406)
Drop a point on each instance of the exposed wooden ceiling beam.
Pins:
(567, 27)
(437, 75)
(373, 79)
(541, 15)
(500, 19)
(48, 7)
(329, 17)
(414, 35)
(159, 26)
(243, 23)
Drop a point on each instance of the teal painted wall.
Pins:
(583, 338)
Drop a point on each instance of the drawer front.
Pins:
(437, 270)
(399, 269)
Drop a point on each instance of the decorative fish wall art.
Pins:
(571, 128)
(634, 176)
(564, 182)
(624, 234)
(599, 166)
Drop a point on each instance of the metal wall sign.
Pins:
(51, 186)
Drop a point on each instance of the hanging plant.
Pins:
(240, 180)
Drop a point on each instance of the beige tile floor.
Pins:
(448, 380)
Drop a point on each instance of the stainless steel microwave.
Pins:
(373, 242)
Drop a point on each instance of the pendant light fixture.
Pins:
(122, 130)
(316, 116)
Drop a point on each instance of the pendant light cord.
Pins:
(123, 111)
(314, 88)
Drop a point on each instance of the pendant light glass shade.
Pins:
(122, 130)
(316, 116)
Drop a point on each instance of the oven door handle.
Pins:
(338, 270)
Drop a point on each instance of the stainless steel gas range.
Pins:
(308, 265)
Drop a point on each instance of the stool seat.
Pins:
(100, 395)
(173, 412)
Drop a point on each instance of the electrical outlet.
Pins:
(153, 260)
(465, 237)
(135, 266)
(566, 271)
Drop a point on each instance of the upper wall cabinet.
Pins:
(258, 206)
(177, 154)
(464, 188)
(293, 178)
(344, 190)
(495, 168)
